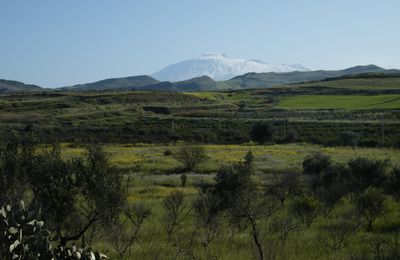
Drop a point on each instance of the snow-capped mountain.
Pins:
(219, 67)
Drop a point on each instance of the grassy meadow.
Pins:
(341, 102)
(150, 176)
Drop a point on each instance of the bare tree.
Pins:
(282, 227)
(305, 209)
(207, 220)
(124, 233)
(190, 156)
(175, 212)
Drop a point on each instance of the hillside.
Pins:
(317, 111)
(360, 81)
(115, 84)
(361, 75)
(7, 86)
(203, 83)
(264, 80)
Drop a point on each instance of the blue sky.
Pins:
(64, 42)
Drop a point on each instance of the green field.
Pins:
(268, 158)
(149, 167)
(150, 178)
(317, 112)
(341, 102)
(142, 132)
(357, 83)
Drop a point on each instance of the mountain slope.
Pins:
(16, 86)
(263, 80)
(203, 83)
(115, 84)
(219, 67)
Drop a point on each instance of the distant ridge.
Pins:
(203, 83)
(115, 84)
(265, 80)
(16, 86)
(206, 83)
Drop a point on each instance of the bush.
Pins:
(183, 180)
(348, 139)
(291, 136)
(316, 163)
(370, 205)
(305, 209)
(261, 133)
(366, 172)
(167, 153)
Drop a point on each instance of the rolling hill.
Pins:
(115, 84)
(360, 74)
(7, 86)
(265, 80)
(203, 83)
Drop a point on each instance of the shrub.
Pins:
(167, 153)
(174, 216)
(348, 139)
(316, 163)
(370, 205)
(291, 136)
(261, 133)
(183, 180)
(305, 209)
(366, 172)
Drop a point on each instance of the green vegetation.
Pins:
(341, 102)
(360, 82)
(278, 201)
(305, 112)
(165, 175)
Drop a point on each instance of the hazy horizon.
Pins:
(60, 43)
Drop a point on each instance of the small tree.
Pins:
(366, 173)
(190, 156)
(284, 186)
(316, 163)
(394, 183)
(236, 192)
(124, 233)
(348, 139)
(370, 205)
(16, 157)
(336, 230)
(261, 133)
(175, 212)
(282, 227)
(305, 209)
(183, 179)
(207, 215)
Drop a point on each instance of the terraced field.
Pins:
(341, 102)
(313, 110)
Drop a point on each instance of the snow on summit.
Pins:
(219, 67)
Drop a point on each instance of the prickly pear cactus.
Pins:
(24, 237)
